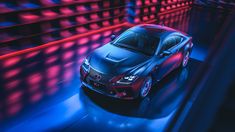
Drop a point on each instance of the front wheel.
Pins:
(185, 59)
(146, 87)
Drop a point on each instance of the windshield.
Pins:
(137, 41)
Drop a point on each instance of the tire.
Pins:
(146, 87)
(185, 59)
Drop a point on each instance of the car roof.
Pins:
(158, 31)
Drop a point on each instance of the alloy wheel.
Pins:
(186, 59)
(146, 87)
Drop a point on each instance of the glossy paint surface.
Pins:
(125, 58)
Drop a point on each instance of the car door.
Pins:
(168, 56)
(177, 50)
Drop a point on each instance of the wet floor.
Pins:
(41, 90)
(85, 108)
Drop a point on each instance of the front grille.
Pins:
(100, 87)
(97, 85)
(93, 72)
(104, 77)
(101, 84)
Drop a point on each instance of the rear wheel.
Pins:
(185, 59)
(146, 87)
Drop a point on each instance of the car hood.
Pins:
(113, 60)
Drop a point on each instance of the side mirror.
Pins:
(165, 53)
(113, 37)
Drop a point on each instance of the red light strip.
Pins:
(173, 10)
(131, 25)
(59, 41)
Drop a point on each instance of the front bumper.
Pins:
(111, 93)
(107, 88)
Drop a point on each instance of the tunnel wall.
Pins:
(28, 23)
(24, 87)
(139, 11)
(221, 4)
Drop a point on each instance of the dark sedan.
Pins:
(132, 63)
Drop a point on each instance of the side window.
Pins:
(170, 42)
(178, 39)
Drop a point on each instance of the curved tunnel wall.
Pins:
(139, 11)
(29, 23)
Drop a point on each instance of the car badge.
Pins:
(97, 77)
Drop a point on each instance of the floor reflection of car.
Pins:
(160, 103)
(132, 63)
(167, 98)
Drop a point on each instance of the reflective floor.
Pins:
(41, 90)
(84, 108)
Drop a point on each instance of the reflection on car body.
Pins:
(131, 64)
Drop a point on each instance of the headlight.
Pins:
(127, 79)
(86, 62)
(86, 65)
